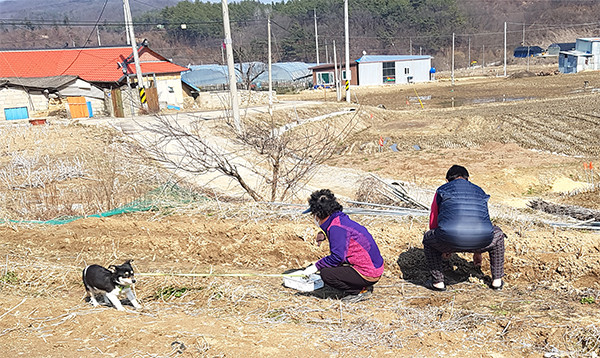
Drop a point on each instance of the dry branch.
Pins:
(374, 190)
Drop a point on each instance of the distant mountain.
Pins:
(76, 10)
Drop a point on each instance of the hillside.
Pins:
(76, 10)
(191, 32)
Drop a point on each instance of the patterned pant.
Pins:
(434, 248)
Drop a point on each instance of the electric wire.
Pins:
(88, 39)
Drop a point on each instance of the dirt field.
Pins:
(530, 146)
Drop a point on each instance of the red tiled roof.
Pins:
(91, 64)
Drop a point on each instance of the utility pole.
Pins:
(235, 106)
(348, 73)
(270, 67)
(504, 48)
(98, 34)
(222, 53)
(125, 11)
(410, 45)
(336, 76)
(523, 42)
(326, 54)
(136, 56)
(452, 59)
(316, 36)
(469, 64)
(483, 56)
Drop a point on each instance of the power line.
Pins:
(28, 22)
(149, 5)
(88, 39)
(532, 28)
(117, 23)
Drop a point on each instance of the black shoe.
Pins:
(363, 296)
(429, 285)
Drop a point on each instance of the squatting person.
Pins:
(460, 222)
(354, 264)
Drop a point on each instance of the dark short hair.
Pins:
(323, 203)
(456, 171)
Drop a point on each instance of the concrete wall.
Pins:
(131, 101)
(98, 107)
(221, 100)
(169, 90)
(15, 97)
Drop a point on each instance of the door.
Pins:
(16, 113)
(78, 107)
(152, 100)
(117, 103)
(89, 107)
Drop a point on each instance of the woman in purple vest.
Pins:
(354, 264)
(459, 222)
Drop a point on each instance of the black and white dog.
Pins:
(110, 282)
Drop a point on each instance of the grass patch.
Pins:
(169, 292)
(498, 310)
(10, 277)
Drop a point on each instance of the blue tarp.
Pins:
(287, 72)
(206, 75)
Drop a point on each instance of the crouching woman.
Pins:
(354, 264)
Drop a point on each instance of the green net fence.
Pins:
(166, 196)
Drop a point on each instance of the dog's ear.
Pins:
(129, 261)
(112, 268)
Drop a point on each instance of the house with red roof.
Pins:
(107, 68)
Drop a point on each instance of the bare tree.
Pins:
(187, 148)
(250, 71)
(268, 159)
(290, 153)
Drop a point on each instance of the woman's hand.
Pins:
(320, 238)
(477, 259)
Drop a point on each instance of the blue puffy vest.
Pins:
(463, 218)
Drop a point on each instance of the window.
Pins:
(389, 72)
(324, 78)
